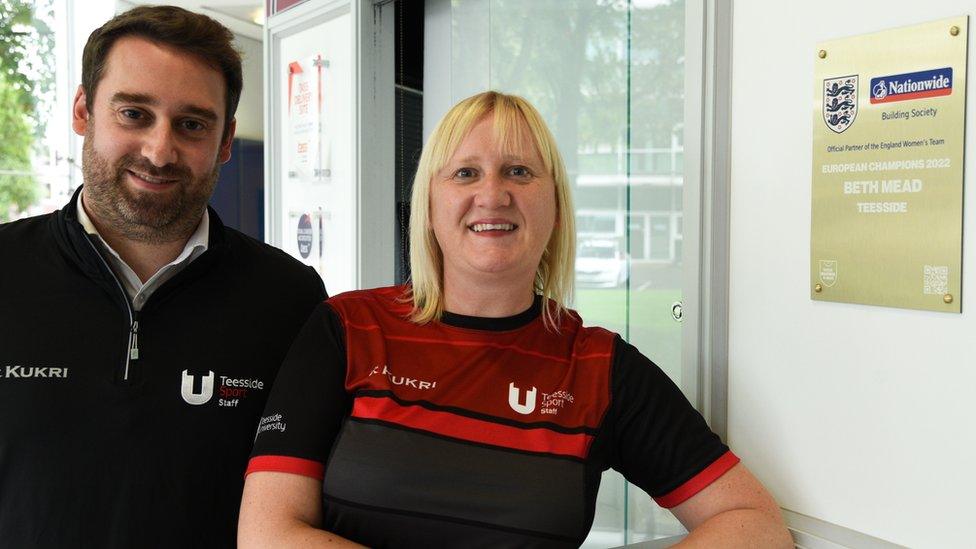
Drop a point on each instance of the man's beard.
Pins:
(144, 216)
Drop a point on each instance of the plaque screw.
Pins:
(818, 288)
(823, 53)
(954, 30)
(947, 298)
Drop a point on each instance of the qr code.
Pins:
(936, 279)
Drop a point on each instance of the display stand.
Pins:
(329, 83)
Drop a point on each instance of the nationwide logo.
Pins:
(18, 371)
(840, 102)
(912, 85)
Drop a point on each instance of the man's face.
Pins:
(153, 141)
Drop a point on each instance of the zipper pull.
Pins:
(134, 349)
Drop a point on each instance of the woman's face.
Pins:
(492, 213)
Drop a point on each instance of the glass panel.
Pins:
(41, 43)
(29, 55)
(656, 128)
(318, 199)
(612, 93)
(637, 225)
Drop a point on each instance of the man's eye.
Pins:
(193, 125)
(132, 114)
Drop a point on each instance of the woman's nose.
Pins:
(494, 192)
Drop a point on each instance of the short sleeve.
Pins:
(660, 442)
(308, 401)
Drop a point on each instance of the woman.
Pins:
(472, 408)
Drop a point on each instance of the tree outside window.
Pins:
(27, 84)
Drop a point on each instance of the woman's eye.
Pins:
(520, 171)
(464, 173)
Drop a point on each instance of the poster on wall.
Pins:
(308, 158)
(309, 231)
(888, 147)
(313, 158)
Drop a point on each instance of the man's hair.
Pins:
(189, 32)
(515, 122)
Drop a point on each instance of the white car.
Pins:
(601, 264)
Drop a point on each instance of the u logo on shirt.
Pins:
(515, 399)
(202, 396)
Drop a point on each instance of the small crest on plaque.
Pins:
(828, 272)
(840, 102)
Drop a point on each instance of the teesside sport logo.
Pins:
(912, 85)
(198, 389)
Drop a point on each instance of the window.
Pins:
(612, 93)
(41, 43)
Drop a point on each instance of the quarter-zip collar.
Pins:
(139, 292)
(76, 245)
(82, 250)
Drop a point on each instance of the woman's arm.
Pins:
(734, 511)
(304, 413)
(280, 509)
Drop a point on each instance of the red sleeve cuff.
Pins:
(286, 464)
(698, 482)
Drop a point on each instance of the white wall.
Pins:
(856, 415)
(250, 111)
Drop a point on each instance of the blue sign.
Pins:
(912, 85)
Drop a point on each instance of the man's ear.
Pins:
(79, 112)
(223, 155)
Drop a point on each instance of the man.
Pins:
(139, 337)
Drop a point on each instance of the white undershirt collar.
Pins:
(138, 292)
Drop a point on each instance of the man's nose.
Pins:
(159, 146)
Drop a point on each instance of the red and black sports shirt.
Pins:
(474, 431)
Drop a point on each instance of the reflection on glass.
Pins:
(40, 156)
(608, 76)
(27, 95)
(318, 199)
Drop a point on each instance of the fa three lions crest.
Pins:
(840, 102)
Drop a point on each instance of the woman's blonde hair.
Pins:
(513, 115)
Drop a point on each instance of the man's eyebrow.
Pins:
(142, 98)
(146, 99)
(202, 112)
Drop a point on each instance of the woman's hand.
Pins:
(280, 510)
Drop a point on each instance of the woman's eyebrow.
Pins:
(467, 159)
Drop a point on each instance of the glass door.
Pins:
(609, 78)
(329, 128)
(314, 187)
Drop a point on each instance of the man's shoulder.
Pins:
(260, 257)
(26, 231)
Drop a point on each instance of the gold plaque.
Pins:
(888, 132)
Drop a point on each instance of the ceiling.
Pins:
(234, 14)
